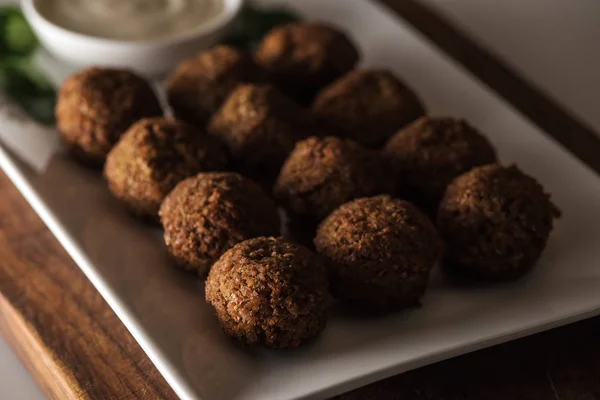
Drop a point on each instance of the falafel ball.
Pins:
(260, 126)
(205, 215)
(302, 57)
(323, 173)
(97, 105)
(153, 156)
(368, 105)
(496, 221)
(269, 291)
(381, 251)
(430, 152)
(199, 85)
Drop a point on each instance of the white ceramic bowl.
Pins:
(150, 58)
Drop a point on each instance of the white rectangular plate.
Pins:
(165, 311)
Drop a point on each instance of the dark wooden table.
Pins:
(76, 348)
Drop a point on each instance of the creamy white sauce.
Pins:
(131, 19)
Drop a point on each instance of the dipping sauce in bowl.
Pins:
(132, 20)
(148, 36)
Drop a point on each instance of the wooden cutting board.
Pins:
(76, 348)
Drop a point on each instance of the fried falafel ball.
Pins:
(199, 85)
(260, 126)
(97, 105)
(368, 106)
(153, 156)
(430, 152)
(380, 250)
(496, 221)
(205, 215)
(323, 173)
(302, 57)
(269, 291)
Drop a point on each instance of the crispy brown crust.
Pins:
(97, 105)
(430, 152)
(199, 85)
(269, 291)
(496, 221)
(301, 58)
(260, 126)
(153, 156)
(368, 106)
(207, 214)
(381, 251)
(323, 173)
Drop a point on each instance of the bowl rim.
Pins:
(37, 19)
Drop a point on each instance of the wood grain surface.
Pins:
(76, 348)
(63, 331)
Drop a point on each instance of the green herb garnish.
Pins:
(20, 80)
(16, 37)
(253, 23)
